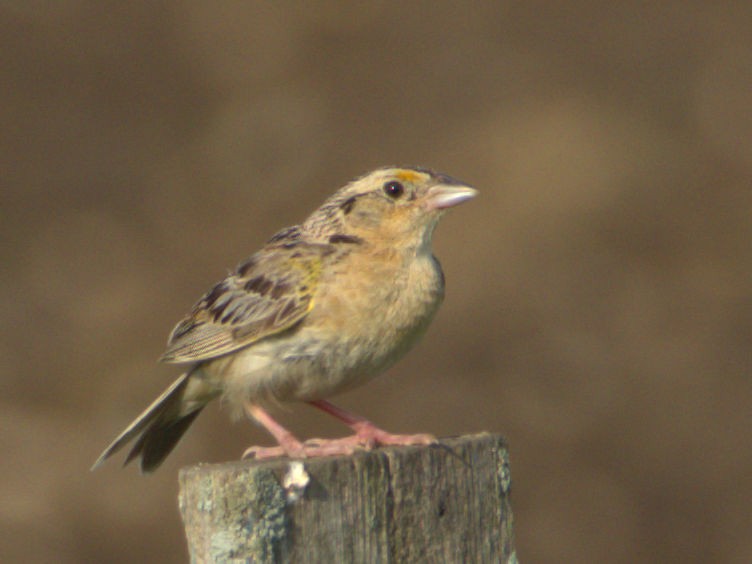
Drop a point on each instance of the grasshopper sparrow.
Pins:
(323, 307)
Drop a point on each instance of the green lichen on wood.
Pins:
(254, 510)
(246, 512)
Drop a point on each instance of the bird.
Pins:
(322, 307)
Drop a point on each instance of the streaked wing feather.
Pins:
(269, 293)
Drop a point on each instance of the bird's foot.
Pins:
(261, 453)
(367, 436)
(310, 449)
(288, 446)
(371, 436)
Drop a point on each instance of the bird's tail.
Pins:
(161, 425)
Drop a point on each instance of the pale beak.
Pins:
(442, 196)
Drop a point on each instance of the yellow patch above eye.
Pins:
(407, 175)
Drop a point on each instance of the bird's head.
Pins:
(395, 206)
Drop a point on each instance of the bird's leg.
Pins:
(288, 444)
(367, 434)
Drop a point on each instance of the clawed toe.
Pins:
(367, 437)
(261, 453)
(310, 449)
(371, 436)
(406, 440)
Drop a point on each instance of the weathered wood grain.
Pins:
(442, 503)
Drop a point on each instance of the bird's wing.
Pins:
(269, 293)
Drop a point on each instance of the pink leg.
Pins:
(288, 444)
(367, 434)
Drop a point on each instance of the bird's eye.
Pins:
(394, 189)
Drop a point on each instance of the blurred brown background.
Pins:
(598, 309)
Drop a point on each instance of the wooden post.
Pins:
(441, 503)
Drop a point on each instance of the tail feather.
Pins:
(160, 426)
(158, 440)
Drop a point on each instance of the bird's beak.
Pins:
(443, 196)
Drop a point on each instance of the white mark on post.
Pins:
(295, 481)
